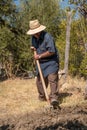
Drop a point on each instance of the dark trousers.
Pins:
(51, 79)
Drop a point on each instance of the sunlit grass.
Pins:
(20, 96)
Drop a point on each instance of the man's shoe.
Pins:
(54, 102)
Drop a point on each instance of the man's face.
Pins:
(37, 35)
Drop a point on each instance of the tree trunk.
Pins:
(67, 48)
(86, 68)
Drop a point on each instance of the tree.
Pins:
(7, 13)
(60, 43)
(44, 11)
(14, 23)
(69, 20)
(81, 7)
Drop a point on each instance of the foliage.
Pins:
(60, 43)
(12, 39)
(77, 50)
(15, 53)
(80, 5)
(7, 11)
(14, 25)
(83, 67)
(43, 10)
(77, 56)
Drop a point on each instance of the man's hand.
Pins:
(33, 48)
(37, 57)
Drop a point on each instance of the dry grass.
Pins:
(76, 87)
(20, 96)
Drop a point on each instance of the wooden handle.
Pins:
(42, 79)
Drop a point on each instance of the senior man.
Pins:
(47, 55)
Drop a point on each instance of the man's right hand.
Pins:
(33, 48)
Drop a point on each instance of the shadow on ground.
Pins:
(68, 118)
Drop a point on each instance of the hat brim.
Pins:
(34, 31)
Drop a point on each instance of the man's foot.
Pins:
(54, 103)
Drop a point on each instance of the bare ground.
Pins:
(72, 114)
(68, 118)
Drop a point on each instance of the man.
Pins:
(48, 58)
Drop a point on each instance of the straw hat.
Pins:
(35, 27)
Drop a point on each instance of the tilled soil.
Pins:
(66, 118)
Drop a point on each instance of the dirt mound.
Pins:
(66, 118)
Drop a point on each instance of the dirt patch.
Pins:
(68, 118)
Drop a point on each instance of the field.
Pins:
(20, 108)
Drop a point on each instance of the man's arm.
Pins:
(46, 54)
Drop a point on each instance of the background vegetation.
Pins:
(15, 54)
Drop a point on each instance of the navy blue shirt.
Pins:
(46, 43)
